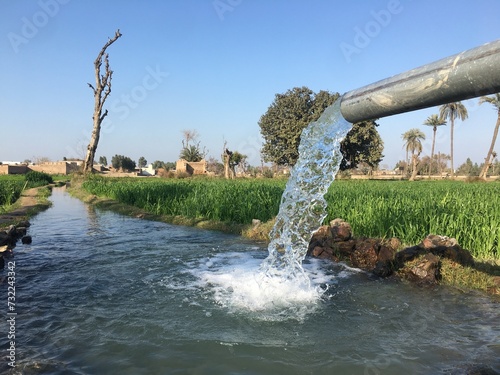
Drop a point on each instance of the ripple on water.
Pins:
(128, 300)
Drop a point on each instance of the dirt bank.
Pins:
(30, 203)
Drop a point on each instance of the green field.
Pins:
(236, 201)
(12, 186)
(468, 212)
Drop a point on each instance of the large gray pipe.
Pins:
(469, 74)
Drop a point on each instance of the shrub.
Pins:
(34, 178)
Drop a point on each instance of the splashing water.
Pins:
(280, 288)
(302, 207)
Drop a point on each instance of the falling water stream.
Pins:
(303, 206)
(100, 293)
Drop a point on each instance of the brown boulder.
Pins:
(425, 271)
(365, 254)
(447, 248)
(341, 230)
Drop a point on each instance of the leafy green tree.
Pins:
(434, 121)
(123, 162)
(469, 168)
(103, 160)
(453, 111)
(413, 142)
(282, 124)
(495, 102)
(236, 159)
(142, 162)
(157, 164)
(362, 144)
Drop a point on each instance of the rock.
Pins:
(426, 271)
(407, 255)
(365, 254)
(386, 253)
(20, 231)
(447, 248)
(3, 248)
(345, 248)
(433, 241)
(24, 223)
(341, 230)
(317, 251)
(256, 223)
(26, 240)
(319, 238)
(13, 233)
(4, 238)
(420, 263)
(393, 243)
(11, 230)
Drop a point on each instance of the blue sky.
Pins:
(214, 66)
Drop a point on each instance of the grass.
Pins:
(231, 201)
(410, 211)
(384, 209)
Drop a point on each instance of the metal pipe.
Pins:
(469, 74)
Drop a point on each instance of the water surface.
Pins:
(99, 293)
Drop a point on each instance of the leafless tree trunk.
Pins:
(414, 162)
(488, 161)
(101, 90)
(226, 157)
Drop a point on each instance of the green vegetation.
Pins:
(407, 210)
(35, 178)
(235, 201)
(10, 190)
(411, 210)
(12, 186)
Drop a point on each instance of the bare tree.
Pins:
(226, 158)
(189, 135)
(101, 91)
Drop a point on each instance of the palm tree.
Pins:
(495, 101)
(453, 111)
(434, 121)
(413, 141)
(191, 153)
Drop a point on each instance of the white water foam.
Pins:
(236, 282)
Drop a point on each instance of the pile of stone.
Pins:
(9, 238)
(383, 257)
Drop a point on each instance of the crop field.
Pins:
(12, 186)
(237, 201)
(10, 189)
(469, 212)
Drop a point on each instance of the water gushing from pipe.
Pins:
(303, 207)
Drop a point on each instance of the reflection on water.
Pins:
(99, 293)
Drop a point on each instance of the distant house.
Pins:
(191, 167)
(58, 167)
(13, 167)
(148, 171)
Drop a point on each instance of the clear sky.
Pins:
(214, 66)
